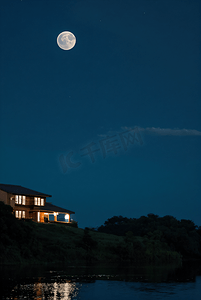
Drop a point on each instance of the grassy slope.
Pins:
(23, 241)
(56, 243)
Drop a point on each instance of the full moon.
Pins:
(66, 40)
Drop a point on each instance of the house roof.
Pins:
(53, 208)
(20, 190)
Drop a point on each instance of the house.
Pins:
(30, 204)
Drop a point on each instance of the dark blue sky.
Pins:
(136, 63)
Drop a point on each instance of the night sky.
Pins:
(112, 126)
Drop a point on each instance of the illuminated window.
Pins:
(23, 200)
(38, 217)
(16, 199)
(42, 201)
(19, 214)
(67, 217)
(16, 213)
(37, 201)
(23, 214)
(20, 200)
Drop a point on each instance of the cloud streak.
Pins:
(167, 131)
(155, 131)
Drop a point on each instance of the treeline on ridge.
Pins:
(182, 236)
(145, 240)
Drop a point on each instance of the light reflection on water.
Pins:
(107, 290)
(101, 282)
(41, 291)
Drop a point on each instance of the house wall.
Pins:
(3, 196)
(42, 217)
(11, 200)
(29, 201)
(33, 215)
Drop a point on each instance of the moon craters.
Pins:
(66, 40)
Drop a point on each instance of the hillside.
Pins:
(182, 236)
(28, 242)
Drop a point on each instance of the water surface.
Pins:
(101, 282)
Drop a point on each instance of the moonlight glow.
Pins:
(66, 40)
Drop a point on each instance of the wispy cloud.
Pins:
(154, 131)
(167, 131)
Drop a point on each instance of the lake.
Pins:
(102, 281)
